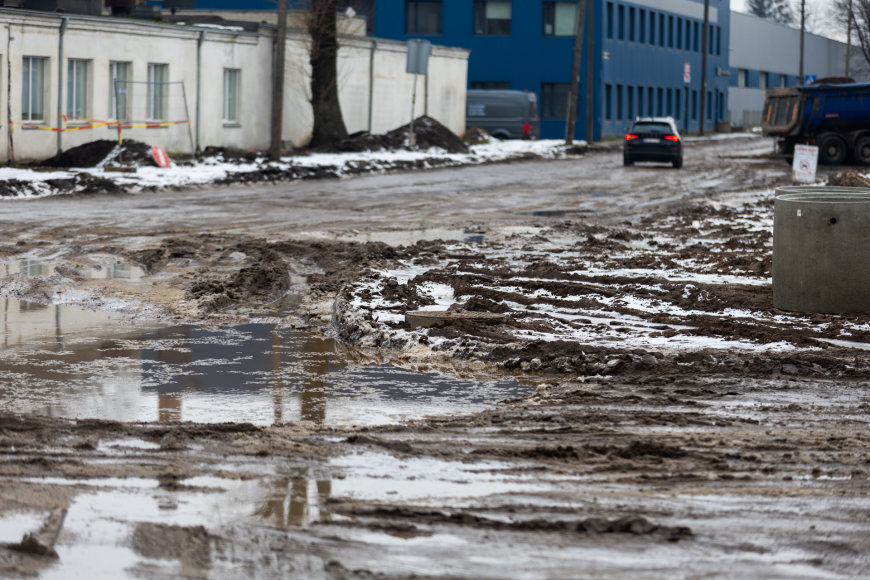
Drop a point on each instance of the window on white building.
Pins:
(741, 77)
(33, 88)
(77, 89)
(231, 95)
(119, 97)
(157, 79)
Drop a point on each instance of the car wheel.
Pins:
(626, 161)
(862, 151)
(832, 150)
(678, 163)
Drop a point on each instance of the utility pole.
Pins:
(575, 74)
(590, 74)
(278, 82)
(705, 39)
(848, 37)
(803, 23)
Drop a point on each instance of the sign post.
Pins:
(804, 165)
(416, 64)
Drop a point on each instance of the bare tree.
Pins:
(329, 127)
(856, 13)
(776, 10)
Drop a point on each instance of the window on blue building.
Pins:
(709, 105)
(619, 102)
(650, 101)
(620, 24)
(610, 20)
(710, 37)
(679, 34)
(652, 27)
(491, 85)
(642, 26)
(677, 104)
(670, 32)
(629, 93)
(660, 102)
(492, 18)
(554, 100)
(688, 45)
(694, 105)
(640, 101)
(608, 108)
(697, 37)
(661, 29)
(422, 16)
(719, 40)
(631, 23)
(670, 97)
(560, 18)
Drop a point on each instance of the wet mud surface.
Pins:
(677, 424)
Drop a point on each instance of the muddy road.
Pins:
(224, 382)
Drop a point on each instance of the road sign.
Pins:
(809, 79)
(418, 56)
(687, 72)
(160, 157)
(804, 165)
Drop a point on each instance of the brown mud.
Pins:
(660, 461)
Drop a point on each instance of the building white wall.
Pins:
(374, 89)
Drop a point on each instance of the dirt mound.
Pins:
(96, 152)
(476, 136)
(850, 178)
(232, 155)
(428, 133)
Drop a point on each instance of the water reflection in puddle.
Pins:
(408, 237)
(67, 362)
(40, 268)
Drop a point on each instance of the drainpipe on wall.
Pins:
(10, 128)
(63, 24)
(372, 81)
(199, 42)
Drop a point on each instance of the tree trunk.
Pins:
(329, 128)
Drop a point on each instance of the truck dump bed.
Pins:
(816, 109)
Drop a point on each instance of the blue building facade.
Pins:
(647, 54)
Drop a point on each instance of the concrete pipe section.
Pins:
(821, 249)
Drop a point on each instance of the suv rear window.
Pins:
(652, 128)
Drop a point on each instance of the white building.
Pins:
(186, 87)
(766, 54)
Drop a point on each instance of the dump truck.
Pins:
(834, 117)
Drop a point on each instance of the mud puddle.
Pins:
(112, 270)
(72, 363)
(406, 237)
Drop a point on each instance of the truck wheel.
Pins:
(862, 151)
(832, 150)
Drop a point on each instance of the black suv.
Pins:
(653, 139)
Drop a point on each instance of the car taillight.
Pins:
(631, 136)
(673, 138)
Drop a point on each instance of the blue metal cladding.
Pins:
(639, 48)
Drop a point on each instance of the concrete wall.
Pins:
(760, 46)
(197, 57)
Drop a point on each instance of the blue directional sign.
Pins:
(809, 79)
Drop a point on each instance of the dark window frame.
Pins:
(484, 26)
(414, 17)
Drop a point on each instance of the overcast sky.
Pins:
(820, 23)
